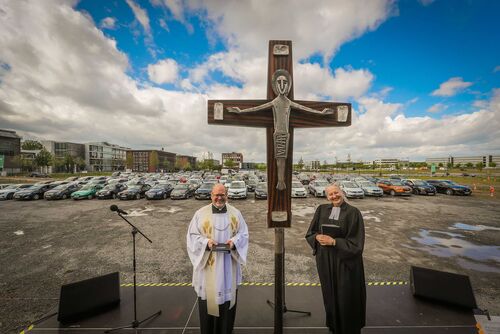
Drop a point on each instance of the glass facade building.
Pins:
(105, 157)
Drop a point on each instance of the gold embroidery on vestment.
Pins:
(234, 225)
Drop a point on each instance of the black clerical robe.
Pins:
(340, 268)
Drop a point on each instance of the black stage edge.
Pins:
(390, 309)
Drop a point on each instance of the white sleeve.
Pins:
(240, 241)
(196, 243)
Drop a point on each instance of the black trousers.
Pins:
(223, 324)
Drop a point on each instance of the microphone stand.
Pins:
(134, 323)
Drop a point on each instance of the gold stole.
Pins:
(210, 272)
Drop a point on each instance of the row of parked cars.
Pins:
(359, 187)
(198, 185)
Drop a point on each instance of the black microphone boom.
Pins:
(117, 209)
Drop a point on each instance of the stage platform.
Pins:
(391, 309)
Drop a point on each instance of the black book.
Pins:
(331, 230)
(221, 248)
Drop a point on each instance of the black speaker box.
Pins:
(449, 288)
(83, 299)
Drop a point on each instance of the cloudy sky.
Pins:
(423, 76)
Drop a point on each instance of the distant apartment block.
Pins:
(236, 157)
(60, 149)
(248, 165)
(105, 157)
(486, 160)
(150, 161)
(185, 161)
(391, 162)
(313, 164)
(10, 152)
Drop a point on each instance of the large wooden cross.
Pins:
(280, 114)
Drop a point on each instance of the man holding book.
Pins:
(337, 236)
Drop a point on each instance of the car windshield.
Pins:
(419, 183)
(109, 187)
(61, 187)
(366, 184)
(396, 183)
(12, 186)
(88, 187)
(321, 183)
(181, 186)
(135, 186)
(451, 183)
(261, 186)
(159, 187)
(207, 186)
(297, 185)
(238, 184)
(349, 185)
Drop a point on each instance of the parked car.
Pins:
(9, 191)
(181, 191)
(160, 191)
(317, 188)
(62, 191)
(394, 187)
(34, 192)
(237, 189)
(450, 188)
(37, 174)
(135, 191)
(261, 190)
(298, 190)
(369, 188)
(351, 189)
(419, 187)
(251, 184)
(88, 191)
(111, 191)
(204, 191)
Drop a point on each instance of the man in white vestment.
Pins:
(217, 245)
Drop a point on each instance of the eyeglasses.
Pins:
(219, 195)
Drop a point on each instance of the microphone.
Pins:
(117, 209)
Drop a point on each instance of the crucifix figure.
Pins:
(279, 114)
(281, 105)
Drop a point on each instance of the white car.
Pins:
(298, 190)
(317, 188)
(351, 189)
(237, 189)
(370, 188)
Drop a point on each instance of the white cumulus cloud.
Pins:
(451, 87)
(141, 15)
(437, 108)
(164, 71)
(108, 23)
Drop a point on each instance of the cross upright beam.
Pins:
(280, 114)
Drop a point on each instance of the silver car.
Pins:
(298, 190)
(351, 189)
(370, 188)
(317, 188)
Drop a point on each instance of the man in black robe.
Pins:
(338, 248)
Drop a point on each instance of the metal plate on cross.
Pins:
(280, 50)
(218, 111)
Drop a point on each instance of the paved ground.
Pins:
(46, 244)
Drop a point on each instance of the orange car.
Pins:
(394, 187)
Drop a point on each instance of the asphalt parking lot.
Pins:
(44, 245)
